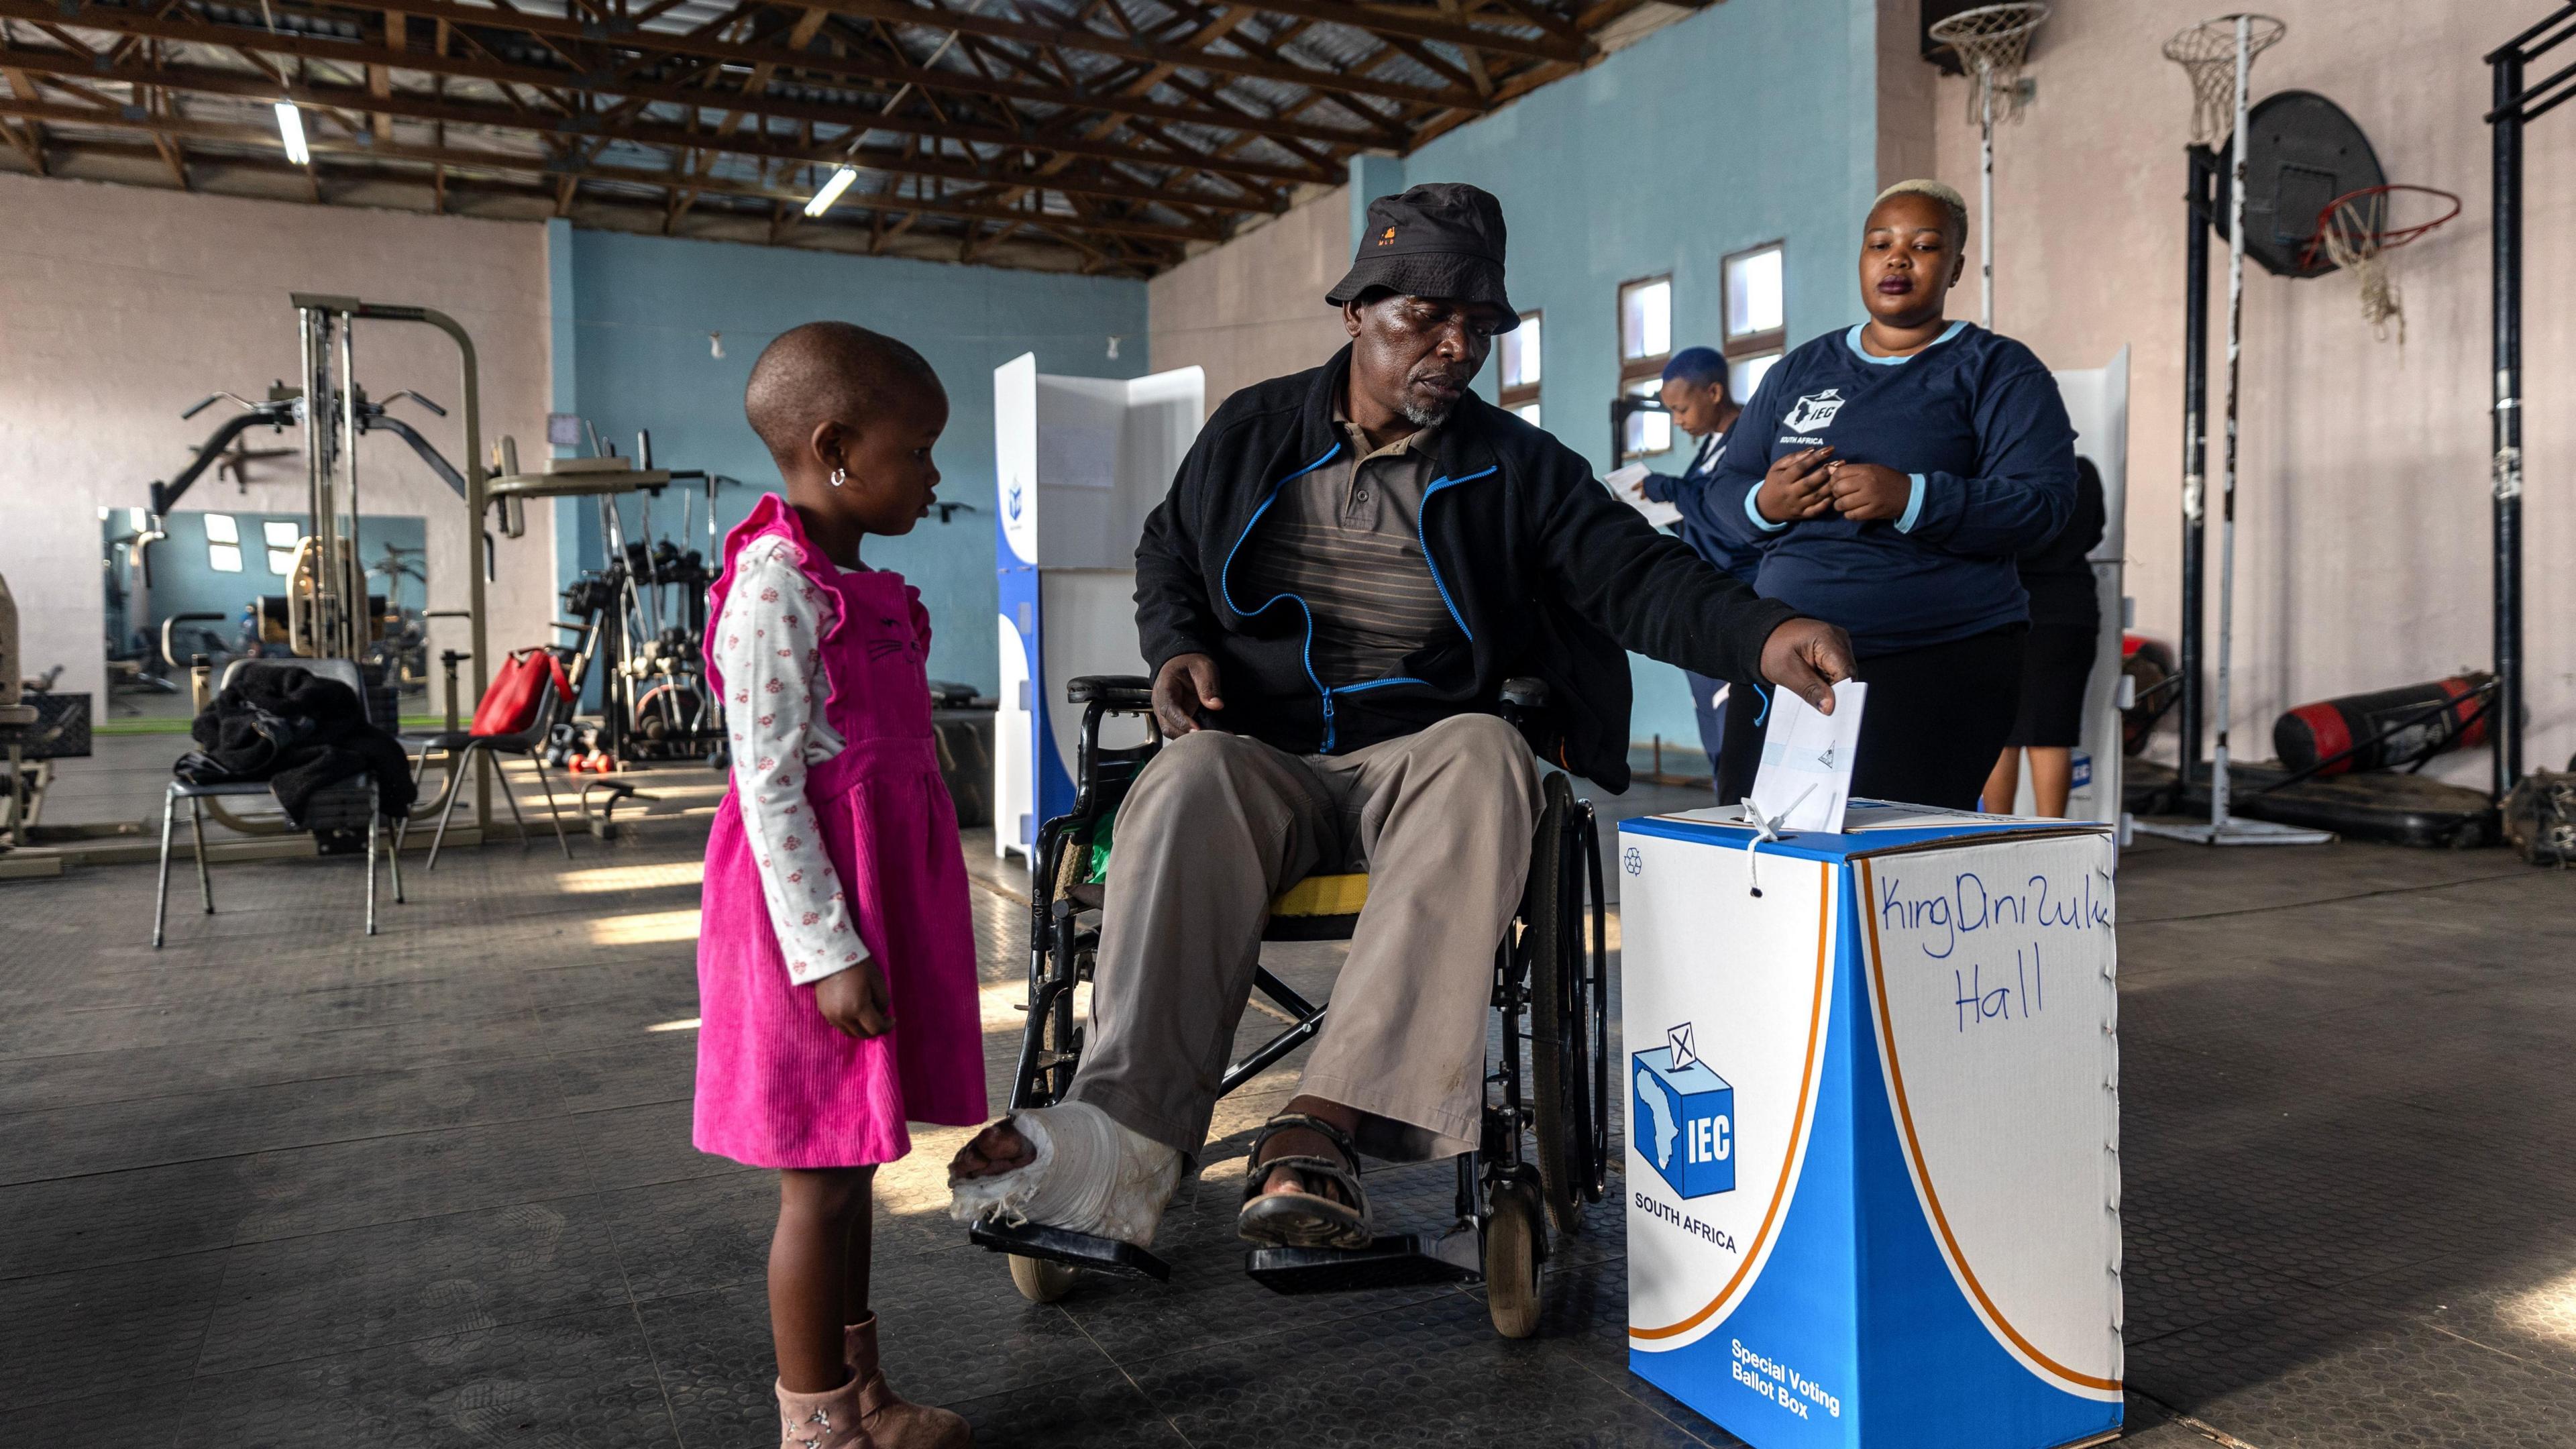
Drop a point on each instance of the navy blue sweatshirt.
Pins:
(1977, 423)
(1744, 560)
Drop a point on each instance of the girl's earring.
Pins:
(840, 476)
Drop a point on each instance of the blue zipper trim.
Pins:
(1225, 590)
(1764, 712)
(1422, 540)
(1225, 576)
(1306, 653)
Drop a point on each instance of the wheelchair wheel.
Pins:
(1040, 1281)
(1512, 1234)
(1561, 1001)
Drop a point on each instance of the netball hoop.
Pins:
(2357, 230)
(1991, 42)
(2208, 53)
(2226, 48)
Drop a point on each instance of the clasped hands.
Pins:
(1811, 483)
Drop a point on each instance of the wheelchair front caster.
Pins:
(1512, 1237)
(1040, 1281)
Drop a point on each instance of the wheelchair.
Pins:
(1543, 1144)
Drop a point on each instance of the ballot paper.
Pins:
(1805, 778)
(1629, 484)
(1865, 814)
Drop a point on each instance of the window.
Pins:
(1756, 317)
(1518, 373)
(281, 561)
(1645, 320)
(1645, 345)
(1744, 374)
(1753, 297)
(280, 533)
(223, 543)
(1648, 432)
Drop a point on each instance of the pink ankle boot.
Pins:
(830, 1420)
(890, 1422)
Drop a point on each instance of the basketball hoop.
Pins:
(1991, 42)
(2354, 232)
(2207, 53)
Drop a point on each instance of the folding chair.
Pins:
(349, 804)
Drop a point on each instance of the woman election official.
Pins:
(1890, 474)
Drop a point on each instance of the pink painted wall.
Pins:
(120, 306)
(1254, 308)
(2362, 545)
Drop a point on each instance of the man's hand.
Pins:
(854, 1001)
(1184, 692)
(1796, 486)
(1864, 491)
(1808, 657)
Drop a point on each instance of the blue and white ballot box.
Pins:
(1080, 462)
(1873, 1128)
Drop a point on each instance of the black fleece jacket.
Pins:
(1547, 573)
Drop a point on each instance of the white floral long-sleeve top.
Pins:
(767, 649)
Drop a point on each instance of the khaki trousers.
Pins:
(1216, 826)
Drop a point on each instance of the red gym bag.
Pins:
(518, 692)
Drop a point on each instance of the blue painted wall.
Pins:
(638, 320)
(1753, 121)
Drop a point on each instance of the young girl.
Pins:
(836, 966)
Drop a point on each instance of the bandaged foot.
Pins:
(1085, 1173)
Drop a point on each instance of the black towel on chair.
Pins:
(299, 732)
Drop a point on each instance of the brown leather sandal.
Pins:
(1307, 1219)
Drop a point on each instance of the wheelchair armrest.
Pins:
(1525, 707)
(1117, 691)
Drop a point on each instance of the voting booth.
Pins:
(1873, 1127)
(2097, 403)
(1080, 462)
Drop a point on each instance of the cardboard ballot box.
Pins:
(1873, 1128)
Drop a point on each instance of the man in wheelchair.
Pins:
(1350, 564)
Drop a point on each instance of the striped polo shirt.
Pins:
(1346, 539)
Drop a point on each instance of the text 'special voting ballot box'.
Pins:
(1873, 1128)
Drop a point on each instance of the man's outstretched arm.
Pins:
(1656, 597)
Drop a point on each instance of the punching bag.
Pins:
(2419, 720)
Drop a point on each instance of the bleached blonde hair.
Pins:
(1940, 191)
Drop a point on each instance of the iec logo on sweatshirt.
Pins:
(1815, 411)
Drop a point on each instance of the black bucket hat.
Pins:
(1443, 239)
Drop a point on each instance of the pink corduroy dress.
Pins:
(777, 1085)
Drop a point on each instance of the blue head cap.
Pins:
(1698, 366)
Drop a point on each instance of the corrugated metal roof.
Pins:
(1058, 133)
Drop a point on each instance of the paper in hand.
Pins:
(1629, 484)
(1806, 773)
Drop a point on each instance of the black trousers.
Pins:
(1935, 721)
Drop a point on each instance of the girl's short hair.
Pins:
(1952, 203)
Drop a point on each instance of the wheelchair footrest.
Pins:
(1395, 1260)
(1080, 1250)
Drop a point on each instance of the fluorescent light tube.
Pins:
(290, 129)
(831, 191)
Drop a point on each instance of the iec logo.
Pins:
(1684, 1117)
(1815, 411)
(1011, 501)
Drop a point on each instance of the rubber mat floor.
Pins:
(280, 1184)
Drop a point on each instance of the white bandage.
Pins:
(1089, 1175)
